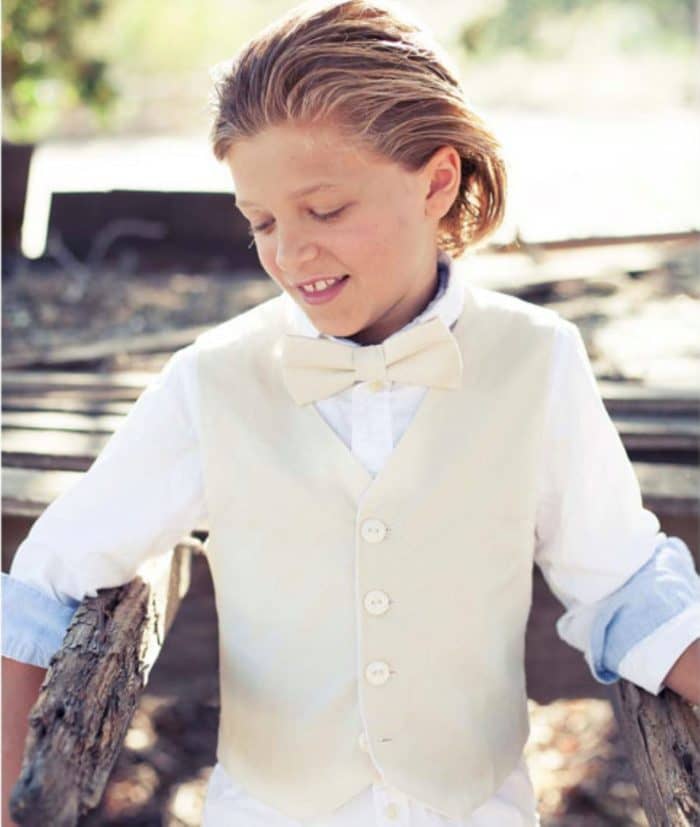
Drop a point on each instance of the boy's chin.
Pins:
(367, 333)
(337, 331)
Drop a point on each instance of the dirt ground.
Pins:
(575, 753)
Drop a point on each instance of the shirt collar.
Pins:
(447, 304)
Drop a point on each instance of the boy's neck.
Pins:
(435, 289)
(378, 332)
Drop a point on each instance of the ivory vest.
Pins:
(351, 603)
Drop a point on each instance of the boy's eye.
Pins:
(327, 216)
(252, 230)
(320, 216)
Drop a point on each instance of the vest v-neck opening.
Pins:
(363, 481)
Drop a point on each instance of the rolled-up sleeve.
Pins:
(140, 496)
(33, 624)
(640, 630)
(631, 592)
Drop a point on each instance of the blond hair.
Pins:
(384, 82)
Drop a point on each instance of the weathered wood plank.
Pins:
(81, 403)
(58, 450)
(521, 275)
(663, 738)
(91, 689)
(53, 395)
(680, 425)
(43, 380)
(27, 492)
(61, 421)
(669, 489)
(576, 244)
(631, 398)
(659, 433)
(531, 269)
(162, 341)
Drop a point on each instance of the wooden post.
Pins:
(662, 733)
(91, 690)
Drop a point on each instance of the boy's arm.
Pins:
(640, 630)
(139, 498)
(33, 628)
(20, 689)
(632, 594)
(684, 677)
(143, 493)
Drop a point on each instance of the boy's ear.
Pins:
(444, 172)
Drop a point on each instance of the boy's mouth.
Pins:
(322, 290)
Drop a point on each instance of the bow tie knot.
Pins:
(369, 363)
(425, 354)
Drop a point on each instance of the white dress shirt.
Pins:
(145, 491)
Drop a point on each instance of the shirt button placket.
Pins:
(376, 602)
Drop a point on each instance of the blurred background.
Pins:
(596, 103)
(120, 243)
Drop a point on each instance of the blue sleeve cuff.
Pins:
(33, 623)
(662, 588)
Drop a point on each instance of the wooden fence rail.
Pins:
(92, 688)
(662, 733)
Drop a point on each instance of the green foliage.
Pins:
(48, 66)
(518, 24)
(65, 57)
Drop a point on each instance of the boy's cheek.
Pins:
(267, 261)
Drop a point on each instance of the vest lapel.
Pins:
(324, 439)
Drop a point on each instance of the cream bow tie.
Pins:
(426, 354)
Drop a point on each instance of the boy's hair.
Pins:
(381, 79)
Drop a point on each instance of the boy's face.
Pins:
(380, 232)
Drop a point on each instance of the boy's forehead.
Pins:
(292, 160)
(307, 189)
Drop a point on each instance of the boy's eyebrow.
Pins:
(321, 185)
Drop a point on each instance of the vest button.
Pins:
(377, 672)
(363, 741)
(391, 811)
(376, 602)
(373, 530)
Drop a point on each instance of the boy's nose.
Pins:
(292, 252)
